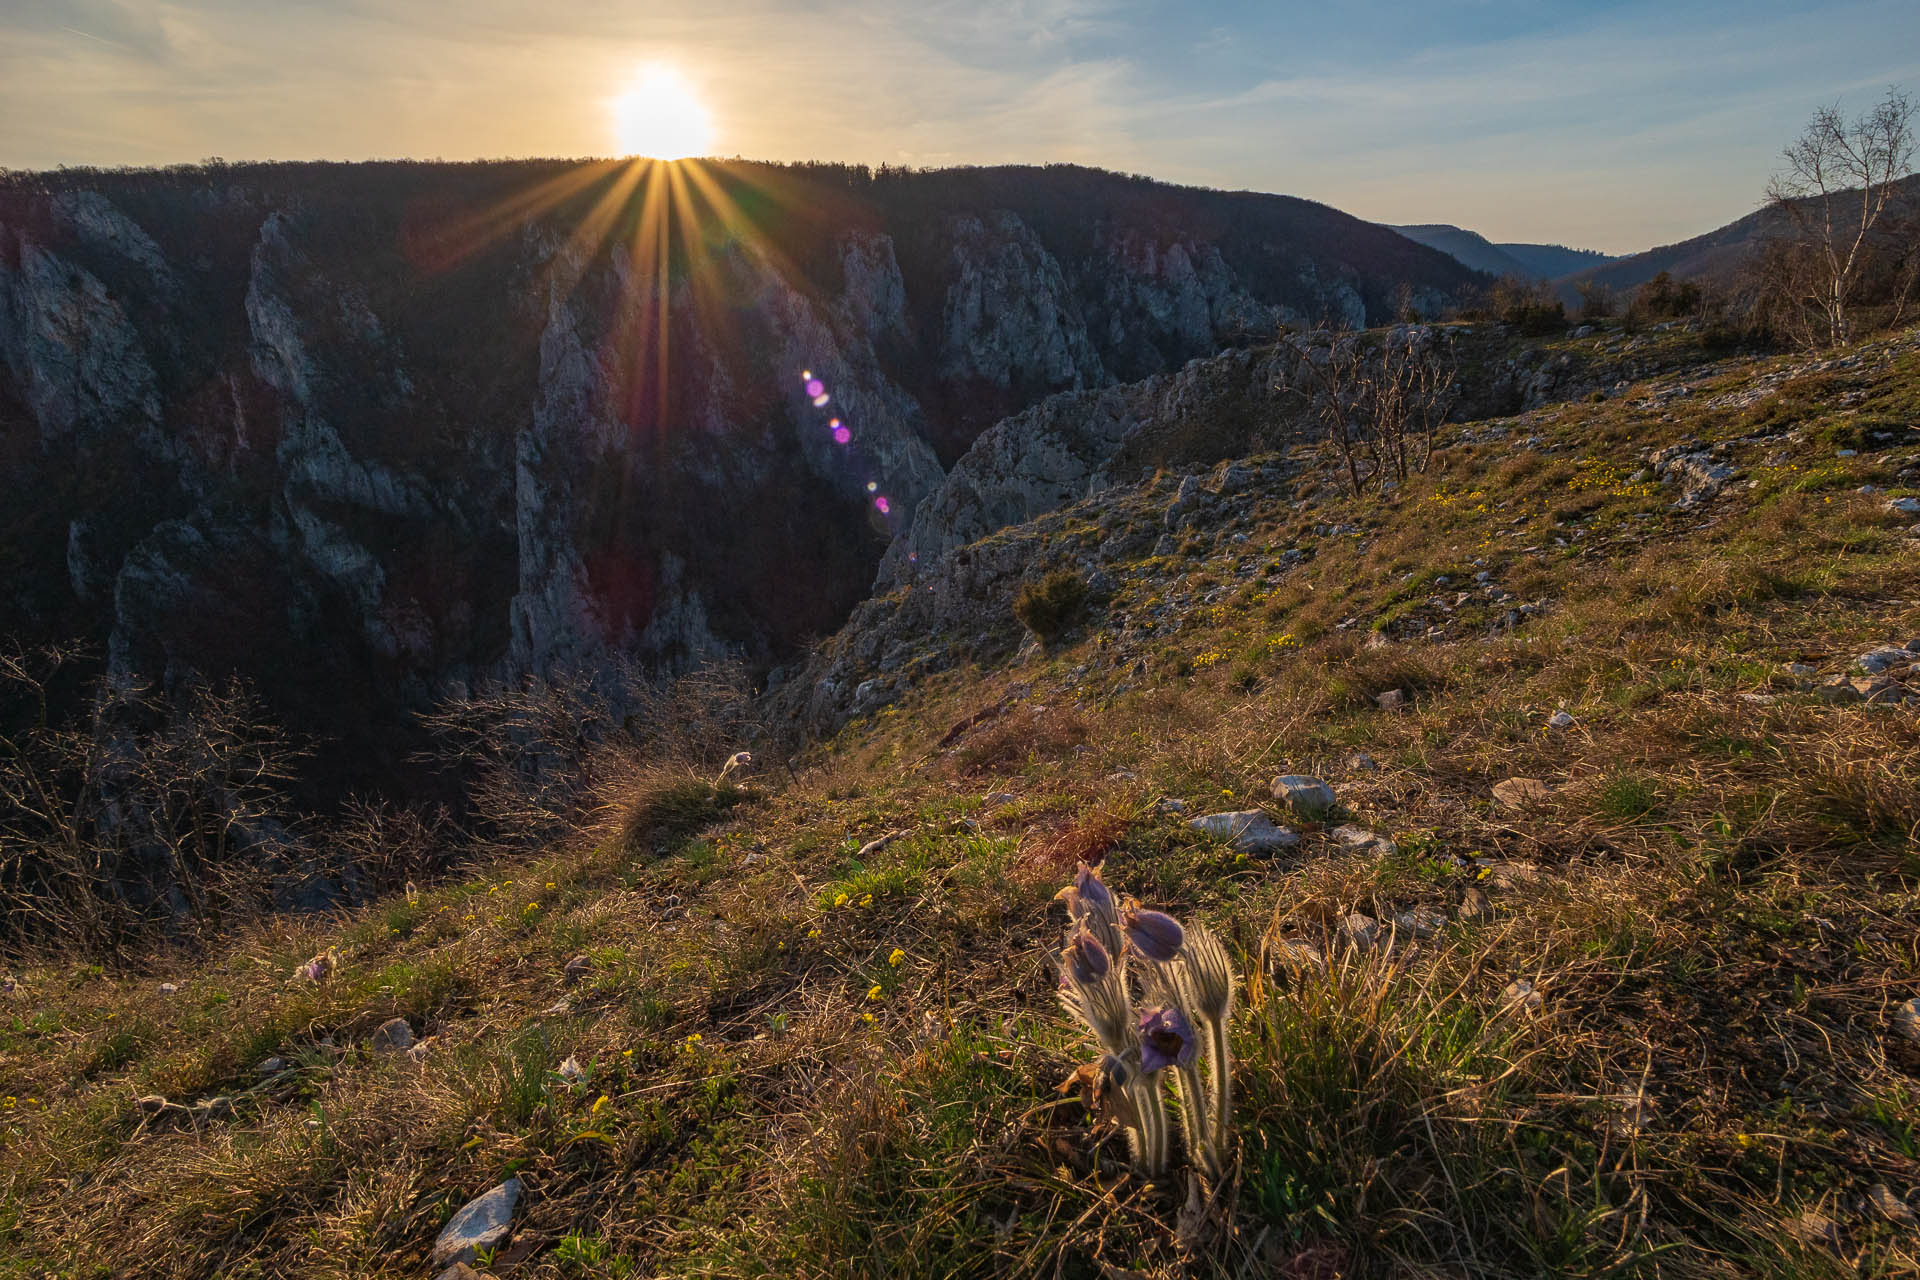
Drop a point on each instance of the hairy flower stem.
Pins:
(1193, 1121)
(1152, 1109)
(1220, 1080)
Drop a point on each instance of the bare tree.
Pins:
(1838, 182)
(1380, 401)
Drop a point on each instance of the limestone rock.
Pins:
(1906, 1019)
(1421, 922)
(392, 1036)
(1891, 1206)
(1699, 476)
(1361, 932)
(482, 1224)
(461, 1271)
(1248, 830)
(1838, 691)
(1520, 793)
(1360, 839)
(1307, 796)
(1876, 661)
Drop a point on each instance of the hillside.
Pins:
(369, 434)
(1604, 961)
(1528, 261)
(1714, 258)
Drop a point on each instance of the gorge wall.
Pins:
(364, 434)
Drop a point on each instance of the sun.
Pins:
(659, 115)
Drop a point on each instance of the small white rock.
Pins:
(1906, 1019)
(1891, 1206)
(1309, 797)
(1248, 830)
(482, 1224)
(1521, 995)
(392, 1036)
(1560, 720)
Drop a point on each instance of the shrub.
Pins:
(1531, 306)
(1051, 606)
(1663, 297)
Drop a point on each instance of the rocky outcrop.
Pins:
(1010, 316)
(1078, 443)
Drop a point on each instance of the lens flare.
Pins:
(815, 386)
(841, 435)
(882, 505)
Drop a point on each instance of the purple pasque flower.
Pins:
(1166, 1040)
(1154, 934)
(1091, 893)
(1086, 959)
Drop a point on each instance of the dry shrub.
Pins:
(380, 846)
(648, 807)
(1353, 672)
(1087, 838)
(1018, 738)
(144, 814)
(1859, 782)
(542, 757)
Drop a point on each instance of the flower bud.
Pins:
(1154, 934)
(1092, 894)
(1086, 959)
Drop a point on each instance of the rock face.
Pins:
(368, 434)
(1080, 442)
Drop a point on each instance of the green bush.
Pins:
(1051, 606)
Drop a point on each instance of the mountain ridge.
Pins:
(1528, 261)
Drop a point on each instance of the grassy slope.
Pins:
(799, 1061)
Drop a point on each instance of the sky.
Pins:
(1605, 124)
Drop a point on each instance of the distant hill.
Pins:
(1533, 261)
(1466, 247)
(1713, 258)
(1551, 261)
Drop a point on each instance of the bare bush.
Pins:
(543, 755)
(158, 815)
(1379, 401)
(1840, 182)
(1596, 300)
